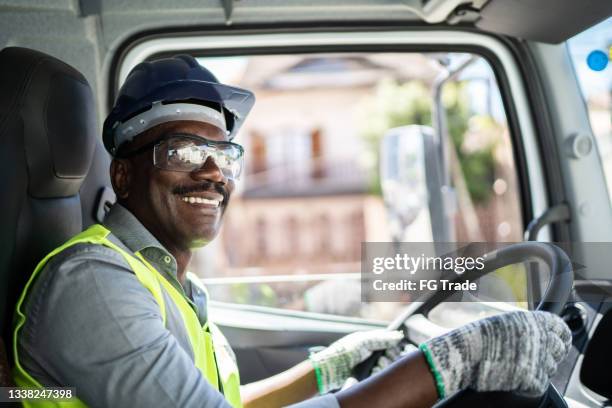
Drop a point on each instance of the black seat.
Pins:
(52, 164)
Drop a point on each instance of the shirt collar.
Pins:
(129, 230)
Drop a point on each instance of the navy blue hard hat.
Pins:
(172, 89)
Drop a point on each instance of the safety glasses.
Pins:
(185, 152)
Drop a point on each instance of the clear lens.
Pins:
(191, 153)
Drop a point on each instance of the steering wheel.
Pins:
(553, 300)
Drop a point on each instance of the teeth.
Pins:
(211, 202)
(200, 200)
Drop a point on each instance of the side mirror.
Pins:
(411, 177)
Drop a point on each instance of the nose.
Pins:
(209, 172)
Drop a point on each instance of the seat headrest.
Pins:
(55, 111)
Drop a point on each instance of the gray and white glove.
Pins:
(334, 364)
(517, 351)
(392, 354)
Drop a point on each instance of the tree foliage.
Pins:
(410, 103)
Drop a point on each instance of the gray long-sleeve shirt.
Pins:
(93, 326)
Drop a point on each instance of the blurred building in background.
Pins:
(292, 234)
(306, 192)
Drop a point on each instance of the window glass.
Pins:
(591, 51)
(313, 192)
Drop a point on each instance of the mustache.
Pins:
(201, 187)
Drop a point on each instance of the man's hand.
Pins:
(333, 365)
(392, 354)
(516, 351)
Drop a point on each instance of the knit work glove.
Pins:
(391, 354)
(333, 365)
(517, 351)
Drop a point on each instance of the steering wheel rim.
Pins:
(553, 300)
(555, 295)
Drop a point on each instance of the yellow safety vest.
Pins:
(210, 348)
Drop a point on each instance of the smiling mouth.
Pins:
(213, 202)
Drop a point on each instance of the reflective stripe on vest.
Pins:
(210, 348)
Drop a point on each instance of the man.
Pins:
(114, 313)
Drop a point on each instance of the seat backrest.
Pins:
(48, 144)
(5, 372)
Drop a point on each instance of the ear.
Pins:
(121, 177)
